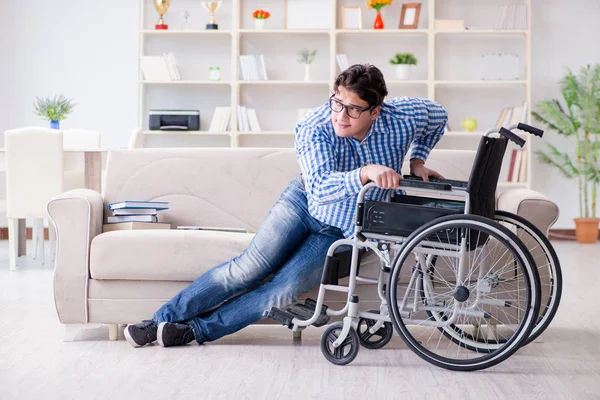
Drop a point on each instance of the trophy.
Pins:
(161, 8)
(211, 7)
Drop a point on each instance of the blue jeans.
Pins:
(290, 243)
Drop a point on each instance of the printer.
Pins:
(174, 120)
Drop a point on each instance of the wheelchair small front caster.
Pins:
(346, 352)
(377, 340)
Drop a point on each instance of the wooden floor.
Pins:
(263, 362)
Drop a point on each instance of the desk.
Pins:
(93, 179)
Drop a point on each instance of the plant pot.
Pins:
(307, 72)
(260, 23)
(378, 24)
(586, 229)
(54, 124)
(402, 71)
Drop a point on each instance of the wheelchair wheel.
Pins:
(377, 340)
(483, 281)
(547, 264)
(346, 352)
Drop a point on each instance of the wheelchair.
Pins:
(467, 286)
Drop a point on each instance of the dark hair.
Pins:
(365, 80)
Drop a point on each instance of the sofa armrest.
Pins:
(531, 205)
(77, 216)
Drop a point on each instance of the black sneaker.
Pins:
(172, 334)
(141, 334)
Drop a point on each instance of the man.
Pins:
(353, 139)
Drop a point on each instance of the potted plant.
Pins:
(260, 18)
(378, 5)
(403, 61)
(54, 110)
(306, 58)
(577, 118)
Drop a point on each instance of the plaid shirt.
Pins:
(331, 165)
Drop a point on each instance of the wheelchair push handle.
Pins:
(511, 136)
(531, 129)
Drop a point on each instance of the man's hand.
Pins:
(384, 177)
(417, 168)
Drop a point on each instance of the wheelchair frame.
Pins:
(365, 240)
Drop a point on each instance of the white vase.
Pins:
(402, 71)
(307, 72)
(260, 23)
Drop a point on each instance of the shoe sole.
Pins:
(159, 333)
(130, 339)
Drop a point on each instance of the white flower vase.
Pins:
(260, 23)
(307, 72)
(402, 71)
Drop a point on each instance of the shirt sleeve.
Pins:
(431, 120)
(316, 156)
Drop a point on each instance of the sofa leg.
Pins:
(297, 335)
(72, 330)
(113, 331)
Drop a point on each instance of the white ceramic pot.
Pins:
(307, 72)
(260, 23)
(402, 71)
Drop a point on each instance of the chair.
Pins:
(34, 175)
(77, 139)
(136, 140)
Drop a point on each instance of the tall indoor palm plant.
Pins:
(577, 118)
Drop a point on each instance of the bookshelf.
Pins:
(448, 70)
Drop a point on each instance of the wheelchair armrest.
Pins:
(425, 185)
(452, 182)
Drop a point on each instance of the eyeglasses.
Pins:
(352, 111)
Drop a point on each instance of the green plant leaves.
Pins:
(55, 109)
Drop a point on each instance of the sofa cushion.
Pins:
(162, 255)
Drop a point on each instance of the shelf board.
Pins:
(198, 133)
(482, 32)
(266, 133)
(382, 31)
(287, 31)
(169, 32)
(281, 82)
(481, 83)
(406, 82)
(182, 82)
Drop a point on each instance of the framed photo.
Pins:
(409, 17)
(351, 17)
(300, 14)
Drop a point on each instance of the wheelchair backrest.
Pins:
(485, 173)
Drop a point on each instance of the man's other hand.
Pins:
(384, 177)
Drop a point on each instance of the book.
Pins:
(135, 211)
(124, 226)
(155, 68)
(212, 228)
(131, 218)
(158, 205)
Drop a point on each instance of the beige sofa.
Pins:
(123, 277)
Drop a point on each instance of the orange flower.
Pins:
(261, 14)
(378, 4)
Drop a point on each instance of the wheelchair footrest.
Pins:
(301, 311)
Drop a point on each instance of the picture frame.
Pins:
(409, 17)
(351, 17)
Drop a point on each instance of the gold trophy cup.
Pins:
(161, 8)
(211, 7)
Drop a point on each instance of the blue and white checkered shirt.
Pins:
(331, 165)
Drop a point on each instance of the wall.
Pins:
(87, 51)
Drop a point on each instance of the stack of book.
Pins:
(512, 115)
(511, 17)
(517, 171)
(247, 119)
(253, 67)
(160, 68)
(133, 214)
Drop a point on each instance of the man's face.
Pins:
(343, 124)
